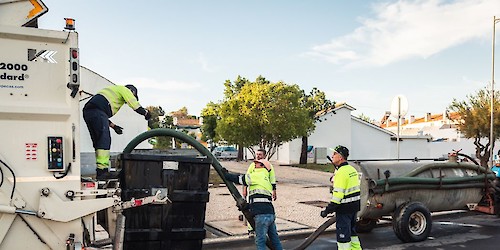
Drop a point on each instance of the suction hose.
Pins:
(316, 233)
(240, 201)
(409, 181)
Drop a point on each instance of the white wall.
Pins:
(364, 140)
(369, 142)
(335, 130)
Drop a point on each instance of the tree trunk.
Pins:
(240, 153)
(303, 151)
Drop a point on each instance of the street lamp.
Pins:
(492, 139)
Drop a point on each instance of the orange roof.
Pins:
(433, 118)
(188, 122)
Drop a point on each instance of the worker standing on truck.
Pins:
(96, 114)
(345, 201)
(261, 182)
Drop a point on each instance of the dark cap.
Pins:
(133, 89)
(342, 151)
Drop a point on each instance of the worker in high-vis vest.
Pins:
(261, 182)
(346, 196)
(96, 114)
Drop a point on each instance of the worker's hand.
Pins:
(118, 129)
(147, 116)
(274, 195)
(324, 213)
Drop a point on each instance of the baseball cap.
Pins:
(342, 151)
(134, 90)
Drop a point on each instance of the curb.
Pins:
(238, 240)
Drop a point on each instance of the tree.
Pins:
(262, 113)
(156, 114)
(181, 113)
(474, 121)
(159, 120)
(313, 102)
(210, 117)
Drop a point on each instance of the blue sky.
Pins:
(179, 53)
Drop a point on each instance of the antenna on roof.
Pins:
(399, 108)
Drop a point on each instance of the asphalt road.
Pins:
(469, 230)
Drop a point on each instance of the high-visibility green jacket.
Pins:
(260, 180)
(118, 95)
(346, 194)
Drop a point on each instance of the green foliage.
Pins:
(313, 102)
(210, 117)
(474, 121)
(159, 120)
(366, 118)
(262, 113)
(156, 113)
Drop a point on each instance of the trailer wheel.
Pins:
(412, 222)
(365, 225)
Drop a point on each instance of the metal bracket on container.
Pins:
(160, 197)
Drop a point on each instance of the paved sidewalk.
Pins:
(301, 194)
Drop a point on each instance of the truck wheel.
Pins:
(365, 225)
(412, 222)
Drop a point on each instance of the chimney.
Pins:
(445, 117)
(412, 119)
(428, 117)
(385, 118)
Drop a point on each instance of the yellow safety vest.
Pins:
(346, 186)
(259, 180)
(118, 95)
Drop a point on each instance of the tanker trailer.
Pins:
(410, 191)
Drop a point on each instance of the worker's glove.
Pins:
(324, 213)
(147, 116)
(118, 129)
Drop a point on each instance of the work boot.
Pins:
(104, 174)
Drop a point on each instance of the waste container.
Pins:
(179, 224)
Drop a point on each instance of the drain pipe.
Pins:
(241, 203)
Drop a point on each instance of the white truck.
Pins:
(44, 203)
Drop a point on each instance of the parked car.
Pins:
(226, 153)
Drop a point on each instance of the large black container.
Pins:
(180, 223)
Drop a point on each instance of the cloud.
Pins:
(204, 63)
(409, 29)
(168, 85)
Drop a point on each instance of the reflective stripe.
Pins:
(355, 198)
(259, 191)
(248, 179)
(259, 200)
(342, 246)
(335, 199)
(346, 191)
(102, 158)
(240, 179)
(353, 189)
